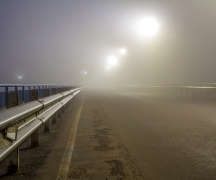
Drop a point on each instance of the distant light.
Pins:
(20, 77)
(85, 72)
(112, 60)
(123, 51)
(148, 27)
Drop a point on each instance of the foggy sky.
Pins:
(54, 42)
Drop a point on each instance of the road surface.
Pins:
(132, 135)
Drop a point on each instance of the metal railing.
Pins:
(25, 120)
(173, 85)
(24, 91)
(182, 91)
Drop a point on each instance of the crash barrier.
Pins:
(25, 93)
(199, 84)
(183, 91)
(173, 85)
(21, 122)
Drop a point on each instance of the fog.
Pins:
(69, 42)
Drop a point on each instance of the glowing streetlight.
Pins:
(112, 60)
(123, 51)
(148, 27)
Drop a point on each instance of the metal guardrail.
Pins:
(28, 118)
(183, 91)
(174, 85)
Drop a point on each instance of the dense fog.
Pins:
(71, 42)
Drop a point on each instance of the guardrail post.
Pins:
(59, 113)
(63, 109)
(47, 126)
(13, 162)
(54, 118)
(35, 139)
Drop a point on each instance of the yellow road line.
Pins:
(64, 166)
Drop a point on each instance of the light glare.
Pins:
(112, 60)
(148, 27)
(123, 51)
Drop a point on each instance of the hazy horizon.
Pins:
(56, 42)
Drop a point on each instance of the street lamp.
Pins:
(112, 60)
(123, 51)
(148, 27)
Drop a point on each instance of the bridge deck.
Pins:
(126, 135)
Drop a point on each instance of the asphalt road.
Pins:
(107, 135)
(131, 135)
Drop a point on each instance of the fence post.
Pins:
(16, 89)
(6, 98)
(23, 93)
(29, 94)
(13, 162)
(39, 91)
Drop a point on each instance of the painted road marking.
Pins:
(64, 166)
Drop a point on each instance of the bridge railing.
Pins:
(182, 91)
(24, 92)
(23, 121)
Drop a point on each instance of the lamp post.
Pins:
(148, 27)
